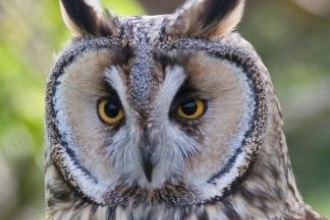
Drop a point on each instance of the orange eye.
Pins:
(110, 111)
(191, 109)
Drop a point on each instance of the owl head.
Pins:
(170, 108)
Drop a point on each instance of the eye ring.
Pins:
(110, 111)
(191, 109)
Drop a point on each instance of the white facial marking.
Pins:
(173, 145)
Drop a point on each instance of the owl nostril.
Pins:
(146, 153)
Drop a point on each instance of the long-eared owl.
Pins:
(168, 117)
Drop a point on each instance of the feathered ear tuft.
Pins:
(85, 17)
(207, 18)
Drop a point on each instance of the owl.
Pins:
(167, 117)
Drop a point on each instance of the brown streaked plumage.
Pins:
(201, 136)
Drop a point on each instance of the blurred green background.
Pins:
(294, 42)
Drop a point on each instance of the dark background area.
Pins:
(292, 37)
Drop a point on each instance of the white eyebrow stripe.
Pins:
(112, 75)
(174, 78)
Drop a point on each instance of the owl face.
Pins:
(154, 107)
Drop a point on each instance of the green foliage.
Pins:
(293, 44)
(125, 7)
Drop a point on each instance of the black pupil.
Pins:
(111, 109)
(189, 107)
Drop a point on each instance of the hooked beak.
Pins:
(146, 153)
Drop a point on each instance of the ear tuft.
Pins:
(217, 10)
(85, 17)
(207, 18)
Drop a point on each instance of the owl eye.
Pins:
(110, 111)
(191, 109)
